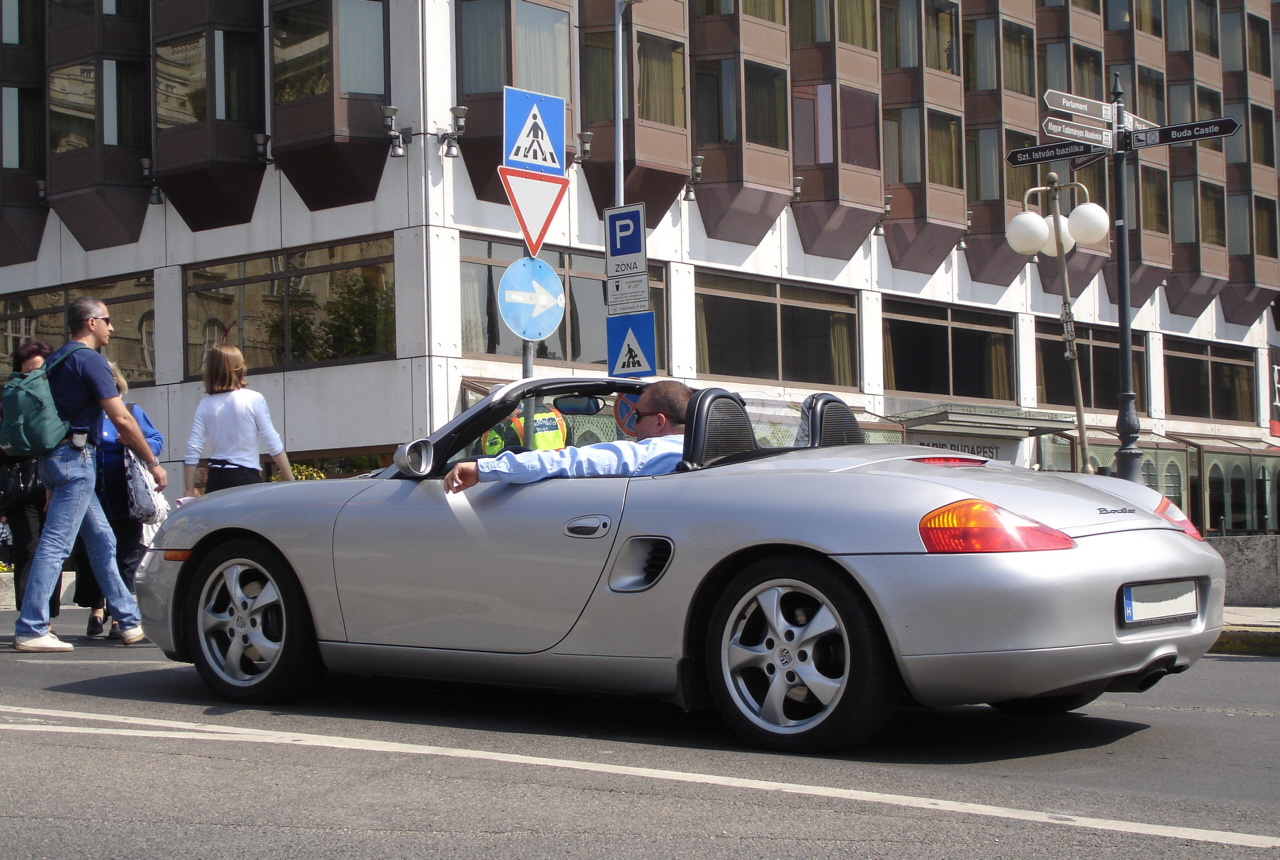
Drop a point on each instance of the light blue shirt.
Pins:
(657, 456)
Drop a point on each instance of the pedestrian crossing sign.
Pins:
(533, 132)
(632, 349)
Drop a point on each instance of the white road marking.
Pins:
(211, 732)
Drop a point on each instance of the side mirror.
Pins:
(414, 459)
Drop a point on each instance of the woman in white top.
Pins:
(230, 423)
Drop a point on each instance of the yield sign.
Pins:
(535, 197)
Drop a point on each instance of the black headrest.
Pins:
(825, 421)
(716, 425)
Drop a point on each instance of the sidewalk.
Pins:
(1249, 630)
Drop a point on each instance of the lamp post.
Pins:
(1128, 457)
(1028, 233)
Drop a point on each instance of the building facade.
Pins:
(825, 189)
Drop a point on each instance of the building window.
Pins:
(22, 128)
(952, 352)
(982, 153)
(857, 23)
(126, 104)
(859, 128)
(1155, 200)
(1205, 21)
(716, 103)
(181, 81)
(946, 150)
(1213, 215)
(361, 45)
(1019, 59)
(766, 105)
(942, 36)
(766, 330)
(1053, 70)
(899, 34)
(1209, 380)
(1151, 95)
(1209, 106)
(597, 76)
(581, 337)
(902, 148)
(1146, 16)
(1018, 180)
(332, 304)
(1262, 136)
(1099, 352)
(42, 315)
(1087, 73)
(1258, 37)
(1266, 242)
(810, 22)
(661, 64)
(980, 55)
(542, 45)
(814, 122)
(482, 54)
(73, 105)
(768, 10)
(303, 65)
(22, 23)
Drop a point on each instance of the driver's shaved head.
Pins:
(669, 397)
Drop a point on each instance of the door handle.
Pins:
(588, 527)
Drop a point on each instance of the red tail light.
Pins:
(1167, 510)
(949, 461)
(977, 526)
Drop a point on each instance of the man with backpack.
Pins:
(82, 388)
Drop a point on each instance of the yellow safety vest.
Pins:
(549, 433)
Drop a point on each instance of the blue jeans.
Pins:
(71, 475)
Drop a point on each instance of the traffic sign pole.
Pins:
(1128, 457)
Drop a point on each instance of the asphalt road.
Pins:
(113, 752)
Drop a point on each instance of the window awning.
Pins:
(1022, 422)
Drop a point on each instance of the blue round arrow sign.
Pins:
(531, 298)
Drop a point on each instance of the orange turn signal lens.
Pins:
(1167, 510)
(177, 554)
(973, 525)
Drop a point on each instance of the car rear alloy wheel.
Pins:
(796, 657)
(251, 626)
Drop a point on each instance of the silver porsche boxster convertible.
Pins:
(805, 590)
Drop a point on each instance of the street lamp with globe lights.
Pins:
(1030, 233)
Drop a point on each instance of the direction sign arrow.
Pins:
(1075, 131)
(1221, 127)
(1133, 122)
(531, 298)
(541, 300)
(1085, 160)
(1050, 152)
(535, 197)
(1057, 100)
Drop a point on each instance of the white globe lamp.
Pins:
(1089, 223)
(1051, 243)
(1027, 233)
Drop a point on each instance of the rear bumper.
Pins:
(984, 628)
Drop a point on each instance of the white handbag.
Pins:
(146, 505)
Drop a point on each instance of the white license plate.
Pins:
(1160, 601)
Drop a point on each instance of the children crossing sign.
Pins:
(533, 132)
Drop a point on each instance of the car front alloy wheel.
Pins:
(252, 631)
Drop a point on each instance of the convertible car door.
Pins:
(495, 568)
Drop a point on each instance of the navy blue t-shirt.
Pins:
(79, 384)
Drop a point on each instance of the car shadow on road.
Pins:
(957, 735)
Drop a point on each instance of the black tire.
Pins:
(249, 629)
(819, 676)
(1045, 706)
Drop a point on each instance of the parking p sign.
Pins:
(626, 260)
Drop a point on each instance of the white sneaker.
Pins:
(132, 636)
(46, 643)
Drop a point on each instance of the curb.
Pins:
(1252, 641)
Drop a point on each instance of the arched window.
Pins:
(1238, 495)
(1217, 498)
(1173, 483)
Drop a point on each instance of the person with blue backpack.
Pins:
(82, 389)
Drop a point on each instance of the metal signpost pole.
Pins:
(1128, 457)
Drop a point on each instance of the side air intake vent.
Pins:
(641, 563)
(656, 564)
